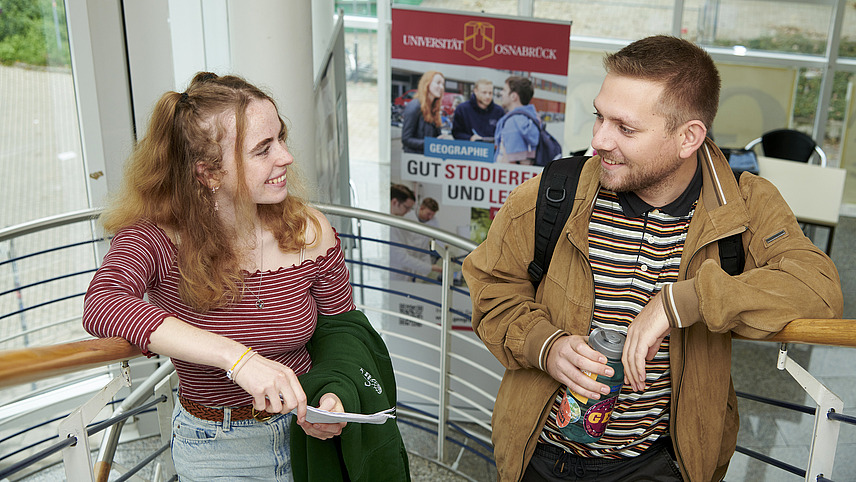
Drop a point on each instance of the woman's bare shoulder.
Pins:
(316, 247)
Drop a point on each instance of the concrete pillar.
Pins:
(271, 46)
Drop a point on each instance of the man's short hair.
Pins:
(401, 193)
(430, 203)
(522, 87)
(482, 82)
(689, 77)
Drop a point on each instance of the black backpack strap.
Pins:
(731, 255)
(556, 191)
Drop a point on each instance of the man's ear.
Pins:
(693, 136)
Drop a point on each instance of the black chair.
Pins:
(789, 144)
(794, 146)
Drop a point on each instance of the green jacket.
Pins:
(786, 277)
(350, 359)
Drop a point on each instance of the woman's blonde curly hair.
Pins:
(162, 186)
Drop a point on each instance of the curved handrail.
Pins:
(36, 363)
(398, 222)
(48, 222)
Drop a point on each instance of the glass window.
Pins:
(615, 19)
(41, 159)
(496, 7)
(361, 70)
(39, 132)
(754, 99)
(848, 32)
(359, 8)
(845, 131)
(792, 27)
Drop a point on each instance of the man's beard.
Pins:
(640, 178)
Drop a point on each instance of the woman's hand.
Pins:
(273, 386)
(331, 403)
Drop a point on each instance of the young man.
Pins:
(639, 254)
(475, 119)
(401, 199)
(427, 211)
(516, 136)
(401, 204)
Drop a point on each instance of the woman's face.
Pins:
(266, 157)
(437, 87)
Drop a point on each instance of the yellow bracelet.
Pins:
(231, 370)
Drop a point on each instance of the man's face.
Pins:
(484, 95)
(505, 97)
(425, 214)
(398, 208)
(638, 154)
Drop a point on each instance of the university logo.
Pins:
(478, 39)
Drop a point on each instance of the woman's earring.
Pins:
(216, 203)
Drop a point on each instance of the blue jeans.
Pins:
(243, 449)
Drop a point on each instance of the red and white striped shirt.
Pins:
(142, 260)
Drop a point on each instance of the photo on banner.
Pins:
(449, 150)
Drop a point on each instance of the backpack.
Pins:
(548, 147)
(556, 191)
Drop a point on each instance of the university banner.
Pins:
(500, 43)
(468, 177)
(451, 158)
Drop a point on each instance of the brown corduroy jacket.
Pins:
(786, 277)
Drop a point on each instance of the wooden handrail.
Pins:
(32, 364)
(832, 332)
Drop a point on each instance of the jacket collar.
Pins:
(720, 210)
(721, 200)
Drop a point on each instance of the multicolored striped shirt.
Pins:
(632, 258)
(142, 261)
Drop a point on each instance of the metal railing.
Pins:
(452, 401)
(443, 245)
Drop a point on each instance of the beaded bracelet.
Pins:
(232, 370)
(246, 360)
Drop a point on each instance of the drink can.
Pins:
(584, 420)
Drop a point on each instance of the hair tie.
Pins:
(184, 96)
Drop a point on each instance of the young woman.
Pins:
(236, 269)
(421, 117)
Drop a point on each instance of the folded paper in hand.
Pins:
(316, 415)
